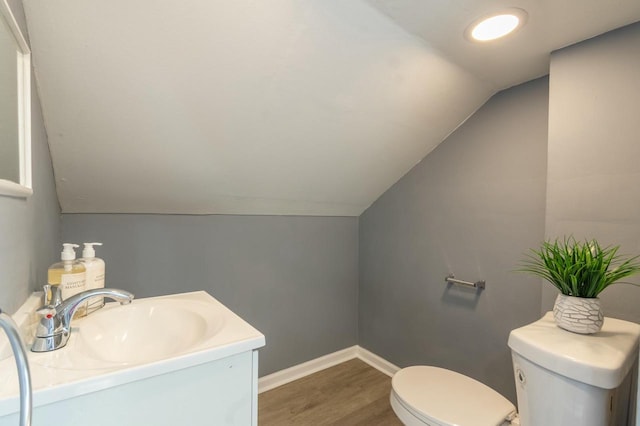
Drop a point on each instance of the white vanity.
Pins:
(177, 359)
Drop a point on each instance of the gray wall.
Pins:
(293, 278)
(471, 207)
(30, 229)
(594, 152)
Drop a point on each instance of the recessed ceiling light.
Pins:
(496, 25)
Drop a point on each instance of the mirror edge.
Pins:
(23, 63)
(12, 189)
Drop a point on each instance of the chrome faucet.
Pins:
(55, 324)
(22, 364)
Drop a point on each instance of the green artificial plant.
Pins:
(579, 269)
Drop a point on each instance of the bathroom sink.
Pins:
(186, 349)
(146, 330)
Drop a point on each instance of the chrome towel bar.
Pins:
(451, 279)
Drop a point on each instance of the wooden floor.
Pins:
(351, 393)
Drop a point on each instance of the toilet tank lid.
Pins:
(602, 359)
(445, 397)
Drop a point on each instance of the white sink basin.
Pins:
(146, 330)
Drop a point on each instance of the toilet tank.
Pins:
(563, 378)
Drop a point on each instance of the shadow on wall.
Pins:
(461, 297)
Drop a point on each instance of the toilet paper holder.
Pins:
(451, 279)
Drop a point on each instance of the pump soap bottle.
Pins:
(69, 275)
(95, 275)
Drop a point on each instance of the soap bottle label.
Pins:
(72, 284)
(94, 280)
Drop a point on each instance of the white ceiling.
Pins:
(551, 25)
(306, 107)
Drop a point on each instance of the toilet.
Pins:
(562, 379)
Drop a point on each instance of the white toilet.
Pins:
(562, 379)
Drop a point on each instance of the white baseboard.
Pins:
(377, 362)
(299, 371)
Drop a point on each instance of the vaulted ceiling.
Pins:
(305, 107)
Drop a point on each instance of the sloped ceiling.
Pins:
(309, 107)
(551, 25)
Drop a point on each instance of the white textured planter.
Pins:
(578, 314)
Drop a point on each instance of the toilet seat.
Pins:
(435, 396)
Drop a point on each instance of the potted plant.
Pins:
(580, 271)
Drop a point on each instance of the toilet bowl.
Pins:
(423, 395)
(562, 378)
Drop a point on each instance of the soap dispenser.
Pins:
(69, 275)
(95, 275)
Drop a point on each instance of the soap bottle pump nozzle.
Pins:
(68, 252)
(88, 251)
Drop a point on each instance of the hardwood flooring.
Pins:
(351, 393)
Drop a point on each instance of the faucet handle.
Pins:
(49, 323)
(49, 334)
(47, 294)
(47, 312)
(52, 295)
